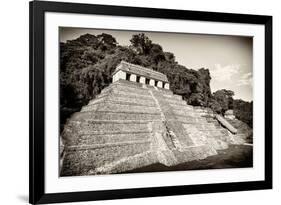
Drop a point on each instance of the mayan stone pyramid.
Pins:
(137, 121)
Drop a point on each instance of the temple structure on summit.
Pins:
(139, 74)
(138, 121)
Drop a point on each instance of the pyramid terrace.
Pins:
(137, 121)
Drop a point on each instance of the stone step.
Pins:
(117, 95)
(166, 157)
(183, 107)
(207, 127)
(241, 135)
(103, 127)
(216, 143)
(108, 121)
(171, 98)
(212, 120)
(125, 88)
(197, 137)
(79, 147)
(128, 94)
(178, 97)
(72, 137)
(207, 116)
(165, 91)
(194, 129)
(216, 132)
(128, 98)
(180, 133)
(113, 138)
(237, 139)
(174, 102)
(186, 113)
(83, 161)
(126, 83)
(190, 119)
(125, 101)
(207, 112)
(128, 163)
(89, 107)
(110, 115)
(194, 153)
(166, 96)
(203, 126)
(108, 106)
(98, 121)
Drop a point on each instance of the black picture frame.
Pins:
(37, 194)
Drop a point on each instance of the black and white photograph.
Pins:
(132, 102)
(143, 101)
(120, 102)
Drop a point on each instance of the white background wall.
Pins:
(14, 100)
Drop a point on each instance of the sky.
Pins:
(228, 58)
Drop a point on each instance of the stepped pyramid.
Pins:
(137, 121)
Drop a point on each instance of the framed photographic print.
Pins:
(141, 102)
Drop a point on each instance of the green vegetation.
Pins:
(86, 65)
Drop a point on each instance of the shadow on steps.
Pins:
(236, 156)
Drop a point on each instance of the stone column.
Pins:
(119, 75)
(133, 78)
(142, 80)
(151, 82)
(167, 86)
(160, 84)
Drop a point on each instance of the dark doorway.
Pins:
(147, 81)
(138, 79)
(128, 75)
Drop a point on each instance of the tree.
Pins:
(224, 98)
(107, 39)
(214, 105)
(243, 111)
(141, 43)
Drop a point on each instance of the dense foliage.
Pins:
(222, 100)
(86, 65)
(243, 111)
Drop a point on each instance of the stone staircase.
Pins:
(131, 125)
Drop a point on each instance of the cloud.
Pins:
(224, 73)
(246, 79)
